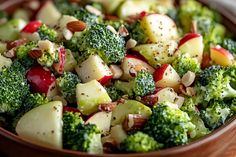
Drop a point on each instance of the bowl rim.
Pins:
(229, 125)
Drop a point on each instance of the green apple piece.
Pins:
(118, 134)
(160, 53)
(21, 14)
(4, 62)
(42, 125)
(48, 14)
(134, 7)
(3, 47)
(11, 30)
(93, 69)
(129, 107)
(70, 62)
(90, 95)
(109, 5)
(159, 27)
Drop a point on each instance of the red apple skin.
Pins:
(40, 79)
(32, 27)
(105, 80)
(159, 73)
(224, 52)
(224, 60)
(60, 66)
(188, 37)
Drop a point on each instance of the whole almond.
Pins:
(76, 26)
(35, 53)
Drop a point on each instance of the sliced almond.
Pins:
(35, 53)
(123, 31)
(190, 91)
(107, 107)
(134, 122)
(179, 100)
(188, 79)
(131, 43)
(112, 29)
(76, 26)
(116, 71)
(93, 10)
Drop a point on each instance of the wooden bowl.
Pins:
(216, 144)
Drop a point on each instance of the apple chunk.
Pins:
(166, 76)
(221, 56)
(159, 27)
(102, 120)
(89, 95)
(166, 95)
(192, 44)
(42, 125)
(94, 69)
(132, 65)
(48, 14)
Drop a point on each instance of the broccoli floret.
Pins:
(214, 84)
(143, 84)
(169, 125)
(23, 50)
(215, 114)
(189, 104)
(137, 32)
(114, 93)
(139, 143)
(47, 33)
(77, 11)
(230, 45)
(114, 23)
(99, 39)
(183, 64)
(13, 88)
(80, 136)
(67, 86)
(30, 102)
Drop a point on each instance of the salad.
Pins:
(124, 76)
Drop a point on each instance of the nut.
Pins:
(112, 29)
(131, 43)
(188, 78)
(150, 100)
(189, 91)
(107, 107)
(93, 10)
(67, 34)
(134, 122)
(116, 71)
(35, 53)
(10, 54)
(179, 100)
(123, 31)
(76, 26)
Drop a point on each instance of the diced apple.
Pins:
(129, 107)
(166, 95)
(159, 53)
(48, 14)
(159, 27)
(60, 66)
(94, 69)
(131, 65)
(221, 56)
(134, 7)
(118, 134)
(40, 79)
(192, 44)
(4, 62)
(42, 125)
(166, 76)
(102, 120)
(70, 62)
(90, 95)
(109, 5)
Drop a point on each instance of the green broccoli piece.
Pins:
(77, 11)
(143, 84)
(114, 23)
(30, 102)
(183, 64)
(139, 143)
(99, 39)
(13, 88)
(47, 33)
(169, 125)
(189, 104)
(215, 114)
(230, 45)
(214, 84)
(137, 32)
(80, 136)
(67, 86)
(114, 93)
(23, 50)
